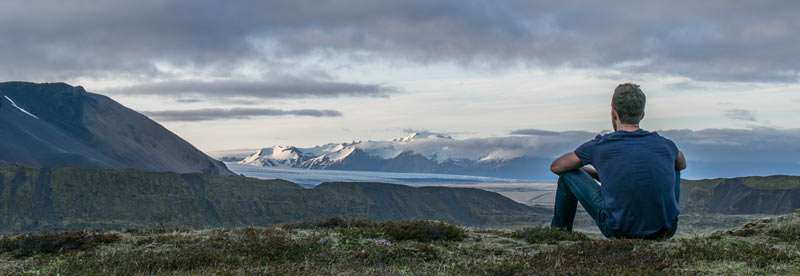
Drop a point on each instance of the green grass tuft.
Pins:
(547, 235)
(422, 231)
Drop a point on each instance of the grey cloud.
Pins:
(740, 115)
(709, 40)
(534, 132)
(210, 114)
(284, 88)
(425, 132)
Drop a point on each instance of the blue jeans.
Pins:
(577, 186)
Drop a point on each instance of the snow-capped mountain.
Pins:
(277, 156)
(421, 152)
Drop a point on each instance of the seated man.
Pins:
(639, 172)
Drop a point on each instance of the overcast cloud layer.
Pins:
(707, 40)
(210, 114)
(306, 72)
(285, 88)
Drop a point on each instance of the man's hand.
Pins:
(565, 163)
(680, 162)
(592, 172)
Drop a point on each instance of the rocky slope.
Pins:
(56, 125)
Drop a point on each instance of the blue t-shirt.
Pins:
(637, 176)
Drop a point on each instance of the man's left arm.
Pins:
(565, 163)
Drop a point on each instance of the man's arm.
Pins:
(565, 163)
(680, 162)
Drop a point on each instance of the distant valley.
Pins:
(73, 198)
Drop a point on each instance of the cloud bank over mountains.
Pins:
(711, 153)
(714, 152)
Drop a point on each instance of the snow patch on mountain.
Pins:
(277, 156)
(20, 108)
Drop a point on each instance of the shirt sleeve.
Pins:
(673, 147)
(585, 152)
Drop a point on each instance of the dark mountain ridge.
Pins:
(778, 194)
(56, 125)
(74, 198)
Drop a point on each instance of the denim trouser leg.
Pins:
(573, 187)
(678, 186)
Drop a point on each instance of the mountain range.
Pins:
(57, 125)
(419, 152)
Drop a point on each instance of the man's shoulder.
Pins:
(655, 134)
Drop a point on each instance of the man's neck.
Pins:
(628, 127)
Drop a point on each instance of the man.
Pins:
(639, 171)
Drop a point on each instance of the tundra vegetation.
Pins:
(412, 247)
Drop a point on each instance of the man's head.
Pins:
(627, 105)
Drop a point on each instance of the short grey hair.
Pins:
(629, 102)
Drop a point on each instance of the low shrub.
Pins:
(547, 235)
(602, 257)
(786, 232)
(722, 249)
(332, 223)
(51, 243)
(422, 231)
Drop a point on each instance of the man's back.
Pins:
(638, 176)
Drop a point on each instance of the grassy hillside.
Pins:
(337, 247)
(69, 198)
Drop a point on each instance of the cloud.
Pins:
(285, 88)
(740, 115)
(717, 40)
(534, 132)
(209, 114)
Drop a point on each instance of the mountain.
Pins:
(421, 152)
(76, 198)
(56, 125)
(777, 194)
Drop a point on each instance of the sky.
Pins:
(249, 74)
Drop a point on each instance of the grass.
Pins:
(547, 235)
(52, 243)
(360, 247)
(422, 231)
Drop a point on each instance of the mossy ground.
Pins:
(399, 248)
